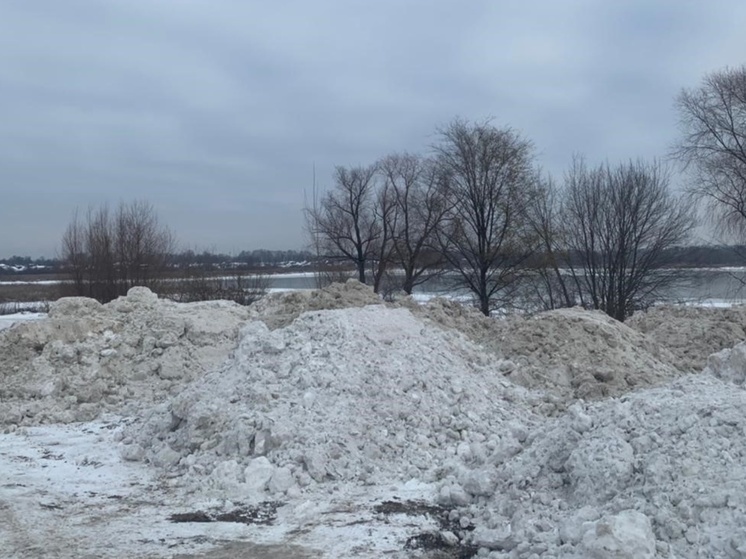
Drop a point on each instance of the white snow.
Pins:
(87, 357)
(562, 435)
(671, 453)
(8, 320)
(367, 395)
(67, 493)
(31, 282)
(715, 303)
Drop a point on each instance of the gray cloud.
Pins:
(217, 110)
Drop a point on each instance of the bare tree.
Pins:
(107, 253)
(74, 253)
(491, 183)
(713, 145)
(420, 194)
(553, 286)
(311, 213)
(344, 224)
(386, 215)
(100, 235)
(142, 244)
(620, 223)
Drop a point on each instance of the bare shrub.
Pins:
(199, 285)
(608, 233)
(108, 253)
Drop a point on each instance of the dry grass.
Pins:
(187, 285)
(30, 292)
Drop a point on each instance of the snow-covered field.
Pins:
(8, 320)
(328, 424)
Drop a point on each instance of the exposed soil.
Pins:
(434, 544)
(247, 550)
(263, 514)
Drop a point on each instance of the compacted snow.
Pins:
(329, 424)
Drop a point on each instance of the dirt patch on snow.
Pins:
(247, 550)
(264, 513)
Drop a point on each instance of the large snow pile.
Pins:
(572, 353)
(580, 354)
(692, 333)
(331, 392)
(361, 394)
(452, 315)
(281, 308)
(657, 471)
(87, 357)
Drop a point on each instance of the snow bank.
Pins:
(377, 395)
(363, 395)
(281, 308)
(331, 392)
(451, 315)
(581, 354)
(572, 353)
(87, 357)
(692, 333)
(657, 471)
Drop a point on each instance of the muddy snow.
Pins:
(329, 424)
(692, 334)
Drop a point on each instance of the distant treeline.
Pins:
(689, 257)
(251, 259)
(259, 258)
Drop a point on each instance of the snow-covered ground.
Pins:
(8, 320)
(68, 493)
(715, 303)
(329, 424)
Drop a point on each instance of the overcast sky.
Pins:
(217, 110)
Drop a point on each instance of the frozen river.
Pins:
(727, 285)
